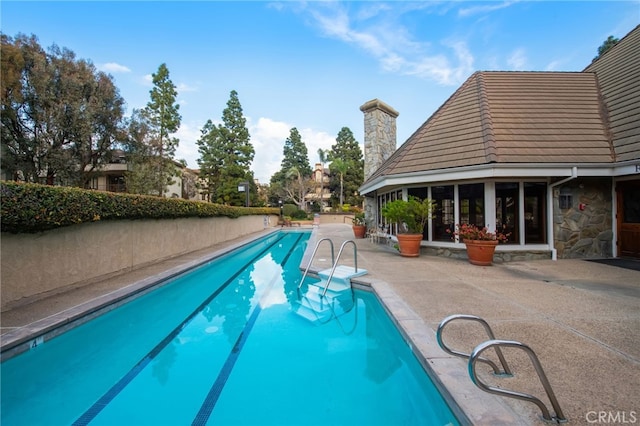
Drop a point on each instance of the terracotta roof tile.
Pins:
(533, 117)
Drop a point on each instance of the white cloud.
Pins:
(395, 48)
(267, 137)
(517, 60)
(113, 67)
(183, 87)
(474, 10)
(188, 133)
(147, 80)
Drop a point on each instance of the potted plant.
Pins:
(359, 225)
(411, 217)
(480, 242)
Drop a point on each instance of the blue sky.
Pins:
(311, 65)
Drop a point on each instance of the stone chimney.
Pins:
(379, 134)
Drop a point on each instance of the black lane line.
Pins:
(217, 387)
(101, 403)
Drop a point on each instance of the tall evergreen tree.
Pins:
(226, 154)
(294, 170)
(347, 149)
(295, 154)
(163, 118)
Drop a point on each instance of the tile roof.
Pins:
(533, 117)
(618, 72)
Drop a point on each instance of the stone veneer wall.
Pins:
(584, 233)
(379, 145)
(379, 134)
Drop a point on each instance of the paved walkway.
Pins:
(581, 318)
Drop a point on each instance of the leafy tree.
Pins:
(60, 116)
(606, 45)
(346, 184)
(163, 119)
(226, 154)
(142, 176)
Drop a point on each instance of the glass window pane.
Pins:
(535, 212)
(472, 204)
(444, 212)
(507, 210)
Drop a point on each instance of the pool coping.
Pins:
(448, 373)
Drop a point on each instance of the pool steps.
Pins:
(332, 296)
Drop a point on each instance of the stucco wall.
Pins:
(36, 264)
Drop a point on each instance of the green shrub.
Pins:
(30, 208)
(299, 214)
(289, 209)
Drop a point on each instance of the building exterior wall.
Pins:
(585, 228)
(34, 265)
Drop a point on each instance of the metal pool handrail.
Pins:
(475, 356)
(335, 264)
(306, 271)
(447, 320)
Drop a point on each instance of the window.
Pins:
(444, 212)
(420, 193)
(534, 212)
(472, 204)
(507, 208)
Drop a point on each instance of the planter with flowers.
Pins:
(411, 216)
(359, 225)
(481, 244)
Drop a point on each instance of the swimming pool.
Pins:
(222, 345)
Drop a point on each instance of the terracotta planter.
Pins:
(409, 244)
(480, 252)
(359, 230)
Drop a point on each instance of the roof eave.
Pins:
(511, 170)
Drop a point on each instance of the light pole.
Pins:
(244, 187)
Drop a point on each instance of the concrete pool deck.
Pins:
(581, 318)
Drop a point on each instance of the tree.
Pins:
(296, 187)
(340, 167)
(60, 116)
(347, 149)
(295, 154)
(163, 119)
(294, 157)
(142, 176)
(323, 157)
(226, 154)
(605, 46)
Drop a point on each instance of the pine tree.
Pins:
(291, 182)
(163, 118)
(226, 154)
(348, 151)
(295, 154)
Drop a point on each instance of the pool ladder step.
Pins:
(496, 344)
(332, 296)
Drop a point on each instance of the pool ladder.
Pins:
(315, 300)
(496, 344)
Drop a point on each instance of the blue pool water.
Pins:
(221, 345)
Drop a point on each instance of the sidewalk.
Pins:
(581, 318)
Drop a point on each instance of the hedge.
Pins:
(31, 208)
